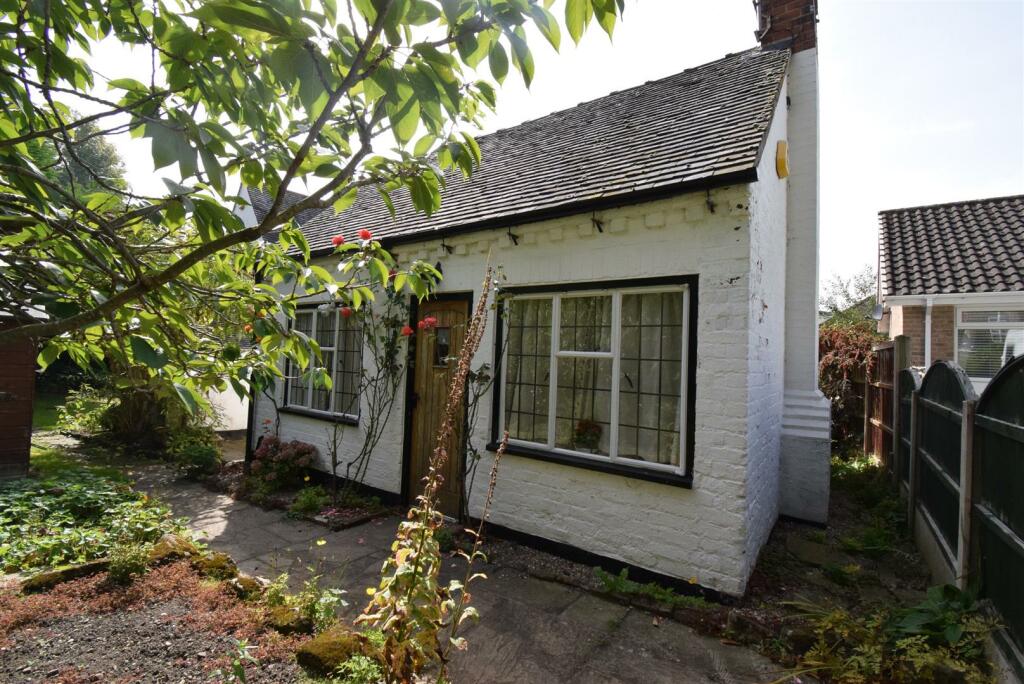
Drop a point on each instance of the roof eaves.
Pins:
(775, 104)
(748, 175)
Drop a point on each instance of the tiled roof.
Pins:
(974, 246)
(261, 202)
(702, 127)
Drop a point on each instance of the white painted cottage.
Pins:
(660, 377)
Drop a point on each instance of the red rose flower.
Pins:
(346, 312)
(337, 240)
(422, 325)
(406, 330)
(364, 234)
(430, 321)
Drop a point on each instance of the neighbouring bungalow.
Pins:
(951, 278)
(659, 374)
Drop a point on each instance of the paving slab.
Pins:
(531, 630)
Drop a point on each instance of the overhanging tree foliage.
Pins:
(267, 92)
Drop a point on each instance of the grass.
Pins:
(56, 464)
(44, 410)
(621, 584)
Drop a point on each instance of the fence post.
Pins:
(900, 360)
(915, 419)
(963, 550)
(869, 446)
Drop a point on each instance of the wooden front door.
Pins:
(434, 365)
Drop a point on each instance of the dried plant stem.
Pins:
(478, 538)
(410, 606)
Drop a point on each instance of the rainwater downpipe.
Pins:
(928, 332)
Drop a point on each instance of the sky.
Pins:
(922, 101)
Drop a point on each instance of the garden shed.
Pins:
(17, 391)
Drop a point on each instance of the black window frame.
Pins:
(617, 467)
(328, 416)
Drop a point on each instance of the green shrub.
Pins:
(445, 539)
(318, 604)
(84, 410)
(278, 465)
(127, 561)
(310, 501)
(314, 603)
(78, 517)
(359, 669)
(276, 593)
(944, 636)
(194, 450)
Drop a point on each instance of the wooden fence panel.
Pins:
(943, 392)
(878, 405)
(998, 504)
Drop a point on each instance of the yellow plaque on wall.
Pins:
(782, 159)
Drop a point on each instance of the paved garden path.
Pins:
(531, 630)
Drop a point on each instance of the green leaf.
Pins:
(230, 15)
(188, 397)
(214, 171)
(144, 352)
(48, 355)
(345, 201)
(497, 60)
(606, 15)
(547, 24)
(577, 16)
(521, 56)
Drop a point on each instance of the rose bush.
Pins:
(279, 465)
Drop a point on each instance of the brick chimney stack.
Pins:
(787, 23)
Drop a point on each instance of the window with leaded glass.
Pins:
(341, 347)
(599, 374)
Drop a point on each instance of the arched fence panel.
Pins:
(937, 467)
(998, 496)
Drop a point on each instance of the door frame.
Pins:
(410, 382)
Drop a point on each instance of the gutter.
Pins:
(563, 210)
(928, 332)
(993, 298)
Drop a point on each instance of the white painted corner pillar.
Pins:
(806, 422)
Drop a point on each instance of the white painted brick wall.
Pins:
(805, 465)
(766, 330)
(802, 236)
(756, 256)
(698, 532)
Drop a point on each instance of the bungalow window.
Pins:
(341, 345)
(987, 339)
(601, 376)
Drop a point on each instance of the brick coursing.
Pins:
(943, 332)
(792, 21)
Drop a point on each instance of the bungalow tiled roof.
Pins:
(703, 127)
(261, 202)
(974, 246)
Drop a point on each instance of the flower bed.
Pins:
(76, 517)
